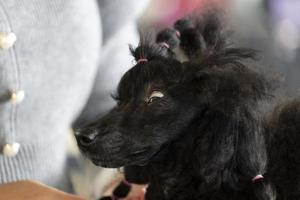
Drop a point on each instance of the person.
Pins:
(59, 61)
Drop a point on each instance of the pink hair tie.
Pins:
(164, 44)
(142, 60)
(257, 178)
(177, 33)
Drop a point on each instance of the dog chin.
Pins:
(140, 158)
(119, 163)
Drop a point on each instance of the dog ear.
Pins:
(231, 148)
(231, 151)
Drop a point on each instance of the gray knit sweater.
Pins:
(55, 61)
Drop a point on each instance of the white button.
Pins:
(7, 40)
(17, 97)
(10, 150)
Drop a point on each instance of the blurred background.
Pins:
(270, 26)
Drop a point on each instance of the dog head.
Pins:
(161, 101)
(153, 107)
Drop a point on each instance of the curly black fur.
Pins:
(205, 136)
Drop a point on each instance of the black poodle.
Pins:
(196, 129)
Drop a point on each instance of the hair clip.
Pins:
(177, 33)
(164, 44)
(142, 60)
(257, 178)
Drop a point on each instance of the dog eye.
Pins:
(154, 95)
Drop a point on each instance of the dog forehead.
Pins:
(142, 74)
(145, 77)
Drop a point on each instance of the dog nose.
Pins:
(85, 137)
